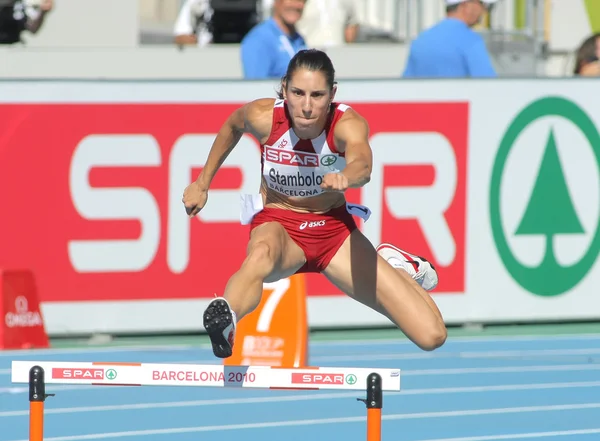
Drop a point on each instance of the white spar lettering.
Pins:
(425, 204)
(88, 256)
(82, 373)
(291, 158)
(190, 151)
(321, 379)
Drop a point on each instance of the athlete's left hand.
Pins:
(334, 182)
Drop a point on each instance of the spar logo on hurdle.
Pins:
(77, 374)
(83, 374)
(310, 378)
(321, 379)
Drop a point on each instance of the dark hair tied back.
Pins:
(313, 60)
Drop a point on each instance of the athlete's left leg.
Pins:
(363, 274)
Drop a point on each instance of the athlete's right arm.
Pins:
(253, 118)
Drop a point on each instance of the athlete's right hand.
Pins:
(194, 199)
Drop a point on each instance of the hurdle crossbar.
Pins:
(38, 374)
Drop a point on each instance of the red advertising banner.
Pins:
(91, 199)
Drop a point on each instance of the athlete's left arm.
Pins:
(352, 138)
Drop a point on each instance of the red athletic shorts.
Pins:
(319, 235)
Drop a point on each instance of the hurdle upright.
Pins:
(37, 374)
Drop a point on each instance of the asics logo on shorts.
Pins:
(313, 224)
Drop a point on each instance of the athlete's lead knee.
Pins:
(261, 259)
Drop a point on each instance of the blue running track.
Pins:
(472, 389)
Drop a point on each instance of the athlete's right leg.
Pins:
(271, 255)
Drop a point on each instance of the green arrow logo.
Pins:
(550, 210)
(546, 219)
(328, 160)
(111, 374)
(351, 379)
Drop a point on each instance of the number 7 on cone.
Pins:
(276, 332)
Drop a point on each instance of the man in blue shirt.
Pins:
(268, 48)
(451, 49)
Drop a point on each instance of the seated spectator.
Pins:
(17, 16)
(451, 48)
(587, 61)
(328, 23)
(268, 48)
(192, 24)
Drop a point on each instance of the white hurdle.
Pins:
(40, 373)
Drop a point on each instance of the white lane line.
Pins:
(461, 354)
(470, 339)
(311, 422)
(528, 435)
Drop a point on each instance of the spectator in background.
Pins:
(587, 61)
(451, 48)
(17, 16)
(192, 25)
(268, 48)
(328, 23)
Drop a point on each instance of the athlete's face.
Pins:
(309, 98)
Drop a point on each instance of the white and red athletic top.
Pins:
(294, 166)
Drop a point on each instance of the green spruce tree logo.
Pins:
(550, 210)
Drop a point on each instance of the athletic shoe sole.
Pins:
(217, 318)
